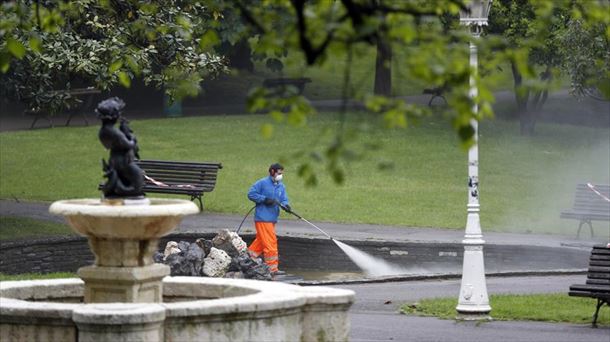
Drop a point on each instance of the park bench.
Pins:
(591, 203)
(281, 84)
(436, 92)
(598, 279)
(178, 177)
(78, 93)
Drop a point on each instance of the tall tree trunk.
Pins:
(526, 118)
(239, 55)
(383, 68)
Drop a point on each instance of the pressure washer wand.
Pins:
(311, 224)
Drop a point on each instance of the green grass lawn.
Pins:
(557, 307)
(20, 227)
(525, 181)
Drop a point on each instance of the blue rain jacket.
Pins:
(267, 188)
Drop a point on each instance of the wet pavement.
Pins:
(375, 316)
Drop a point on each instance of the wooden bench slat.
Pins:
(174, 191)
(591, 207)
(592, 288)
(594, 281)
(598, 275)
(604, 296)
(188, 175)
(183, 163)
(599, 269)
(601, 251)
(179, 167)
(604, 263)
(598, 280)
(180, 186)
(181, 181)
(585, 216)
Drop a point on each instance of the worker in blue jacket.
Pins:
(269, 194)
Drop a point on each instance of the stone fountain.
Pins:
(125, 296)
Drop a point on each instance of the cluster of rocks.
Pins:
(226, 255)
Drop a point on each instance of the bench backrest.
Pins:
(599, 266)
(200, 175)
(586, 199)
(274, 82)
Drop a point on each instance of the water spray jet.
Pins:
(371, 265)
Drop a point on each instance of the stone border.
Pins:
(232, 309)
(68, 253)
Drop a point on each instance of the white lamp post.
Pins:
(473, 302)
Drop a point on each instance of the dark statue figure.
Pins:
(125, 178)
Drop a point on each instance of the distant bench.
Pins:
(598, 280)
(591, 203)
(280, 84)
(88, 93)
(436, 92)
(178, 177)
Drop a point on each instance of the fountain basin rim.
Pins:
(270, 297)
(94, 207)
(118, 313)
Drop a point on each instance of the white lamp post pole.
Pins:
(473, 301)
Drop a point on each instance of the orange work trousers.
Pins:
(265, 243)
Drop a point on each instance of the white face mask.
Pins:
(278, 178)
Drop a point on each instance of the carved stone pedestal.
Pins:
(123, 239)
(105, 284)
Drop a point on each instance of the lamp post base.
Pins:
(478, 316)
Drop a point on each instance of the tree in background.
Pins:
(553, 41)
(515, 20)
(526, 34)
(383, 61)
(586, 58)
(170, 42)
(50, 47)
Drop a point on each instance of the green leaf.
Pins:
(115, 66)
(466, 134)
(183, 21)
(35, 44)
(274, 64)
(267, 131)
(15, 47)
(124, 79)
(133, 65)
(277, 115)
(208, 40)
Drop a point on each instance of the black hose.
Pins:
(242, 221)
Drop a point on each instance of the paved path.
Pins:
(207, 222)
(372, 319)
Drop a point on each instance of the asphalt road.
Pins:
(373, 320)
